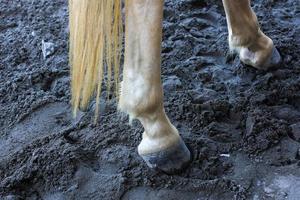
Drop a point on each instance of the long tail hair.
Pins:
(95, 48)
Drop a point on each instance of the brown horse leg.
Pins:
(246, 38)
(141, 90)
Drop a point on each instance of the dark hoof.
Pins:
(274, 60)
(170, 161)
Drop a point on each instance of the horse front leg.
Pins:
(246, 38)
(141, 90)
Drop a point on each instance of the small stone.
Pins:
(225, 155)
(47, 49)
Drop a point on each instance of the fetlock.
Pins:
(159, 134)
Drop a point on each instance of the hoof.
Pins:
(170, 161)
(274, 60)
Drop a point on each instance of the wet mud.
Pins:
(243, 125)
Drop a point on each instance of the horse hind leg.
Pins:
(245, 37)
(141, 90)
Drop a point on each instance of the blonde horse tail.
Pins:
(94, 49)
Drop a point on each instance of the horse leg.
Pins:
(141, 90)
(246, 38)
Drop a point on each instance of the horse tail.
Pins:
(94, 48)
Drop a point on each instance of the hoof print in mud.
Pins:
(170, 161)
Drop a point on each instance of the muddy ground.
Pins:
(243, 125)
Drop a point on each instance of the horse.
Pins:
(96, 38)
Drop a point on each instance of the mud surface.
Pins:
(242, 124)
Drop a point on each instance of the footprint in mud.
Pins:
(46, 120)
(98, 176)
(224, 132)
(90, 184)
(201, 19)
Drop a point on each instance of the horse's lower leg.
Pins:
(245, 36)
(141, 89)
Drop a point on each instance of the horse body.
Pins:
(141, 93)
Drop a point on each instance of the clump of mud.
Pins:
(243, 125)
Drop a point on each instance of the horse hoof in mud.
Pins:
(272, 61)
(171, 160)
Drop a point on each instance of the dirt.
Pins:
(242, 125)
